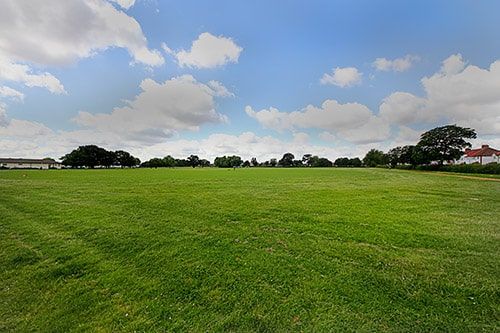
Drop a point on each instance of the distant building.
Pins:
(29, 163)
(483, 155)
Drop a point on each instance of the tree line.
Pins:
(445, 143)
(437, 146)
(92, 156)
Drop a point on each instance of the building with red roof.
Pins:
(483, 155)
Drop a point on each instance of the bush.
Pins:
(491, 168)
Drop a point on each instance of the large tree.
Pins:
(286, 160)
(445, 143)
(193, 161)
(375, 157)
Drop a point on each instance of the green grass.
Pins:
(260, 250)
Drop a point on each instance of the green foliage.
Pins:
(228, 161)
(256, 250)
(374, 158)
(348, 162)
(193, 161)
(286, 160)
(445, 143)
(491, 168)
(91, 156)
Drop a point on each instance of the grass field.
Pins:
(264, 250)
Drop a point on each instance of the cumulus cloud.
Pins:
(208, 51)
(11, 93)
(62, 32)
(457, 93)
(125, 4)
(10, 71)
(343, 77)
(161, 110)
(351, 121)
(396, 65)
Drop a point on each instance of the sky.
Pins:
(251, 78)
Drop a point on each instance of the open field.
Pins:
(248, 250)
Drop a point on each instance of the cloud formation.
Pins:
(343, 77)
(125, 4)
(62, 32)
(396, 65)
(352, 122)
(457, 93)
(161, 110)
(208, 51)
(11, 93)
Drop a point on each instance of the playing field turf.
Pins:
(264, 250)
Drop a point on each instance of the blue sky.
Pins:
(299, 76)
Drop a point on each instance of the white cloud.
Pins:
(397, 65)
(343, 77)
(11, 93)
(62, 32)
(351, 121)
(208, 51)
(218, 89)
(161, 110)
(23, 73)
(402, 108)
(466, 95)
(125, 4)
(454, 64)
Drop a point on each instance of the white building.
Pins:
(29, 163)
(483, 155)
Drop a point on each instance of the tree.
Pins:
(394, 156)
(204, 163)
(445, 143)
(254, 162)
(193, 161)
(124, 159)
(228, 161)
(273, 162)
(169, 161)
(286, 160)
(341, 162)
(375, 157)
(246, 164)
(320, 162)
(306, 159)
(355, 162)
(88, 156)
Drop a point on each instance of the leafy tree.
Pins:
(169, 161)
(306, 159)
(286, 160)
(246, 164)
(254, 162)
(348, 162)
(355, 162)
(228, 161)
(204, 163)
(320, 162)
(153, 163)
(88, 156)
(179, 162)
(445, 143)
(375, 157)
(124, 159)
(394, 156)
(193, 161)
(341, 162)
(273, 162)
